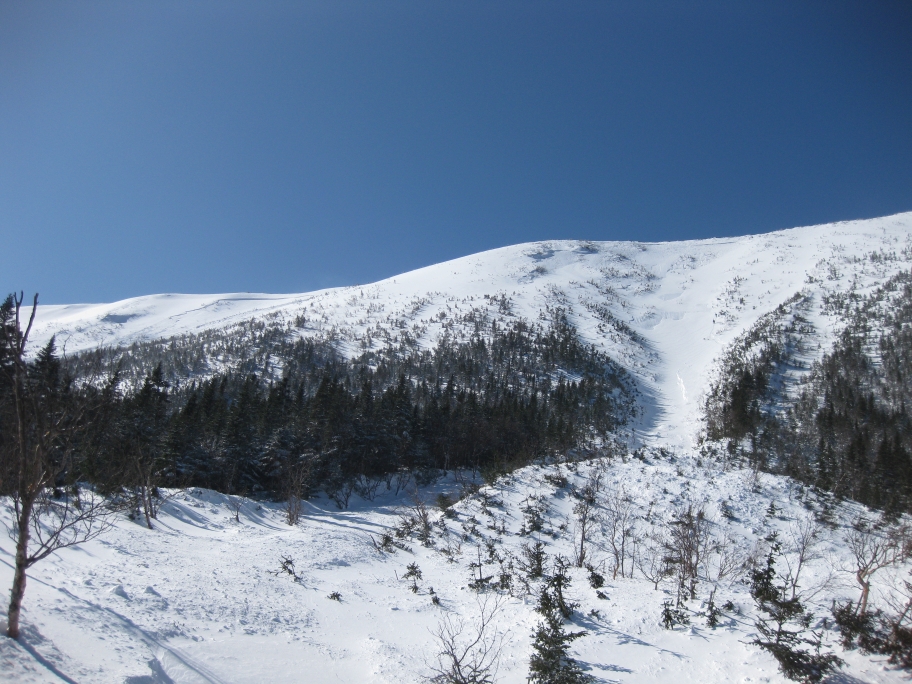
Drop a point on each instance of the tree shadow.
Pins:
(29, 639)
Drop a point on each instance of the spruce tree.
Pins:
(782, 627)
(551, 662)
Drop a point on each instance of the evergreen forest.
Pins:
(845, 425)
(300, 417)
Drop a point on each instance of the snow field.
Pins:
(201, 599)
(683, 302)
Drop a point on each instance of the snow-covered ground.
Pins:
(196, 599)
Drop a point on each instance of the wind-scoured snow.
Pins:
(200, 598)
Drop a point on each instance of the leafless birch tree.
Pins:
(45, 420)
(872, 550)
(617, 528)
(586, 516)
(469, 653)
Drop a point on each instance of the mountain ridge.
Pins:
(666, 311)
(336, 563)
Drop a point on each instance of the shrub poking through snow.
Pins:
(468, 653)
(783, 623)
(385, 544)
(877, 632)
(558, 583)
(479, 581)
(596, 579)
(412, 572)
(287, 567)
(533, 560)
(672, 616)
(713, 612)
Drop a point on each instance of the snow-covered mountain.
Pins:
(665, 311)
(202, 597)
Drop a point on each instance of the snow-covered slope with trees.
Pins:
(665, 311)
(204, 597)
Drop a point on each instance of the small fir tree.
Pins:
(783, 624)
(551, 662)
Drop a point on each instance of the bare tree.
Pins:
(416, 518)
(296, 481)
(236, 503)
(652, 559)
(727, 559)
(873, 549)
(586, 516)
(804, 538)
(44, 418)
(469, 653)
(688, 546)
(617, 528)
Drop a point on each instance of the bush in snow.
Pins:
(783, 625)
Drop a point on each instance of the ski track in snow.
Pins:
(194, 600)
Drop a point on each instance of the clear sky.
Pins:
(286, 146)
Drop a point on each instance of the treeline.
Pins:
(507, 396)
(847, 427)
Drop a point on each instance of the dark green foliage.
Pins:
(551, 662)
(557, 584)
(596, 579)
(876, 632)
(533, 559)
(848, 429)
(713, 612)
(506, 396)
(737, 405)
(672, 616)
(533, 516)
(783, 627)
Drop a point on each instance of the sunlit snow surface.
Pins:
(194, 600)
(687, 300)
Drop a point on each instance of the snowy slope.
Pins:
(684, 301)
(195, 600)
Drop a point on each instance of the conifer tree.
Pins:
(783, 625)
(551, 662)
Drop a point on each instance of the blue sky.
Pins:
(286, 146)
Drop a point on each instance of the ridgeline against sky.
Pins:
(286, 146)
